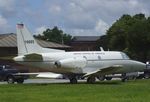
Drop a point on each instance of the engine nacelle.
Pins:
(76, 62)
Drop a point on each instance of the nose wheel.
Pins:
(124, 77)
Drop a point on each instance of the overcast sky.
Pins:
(76, 17)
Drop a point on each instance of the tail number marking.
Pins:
(29, 41)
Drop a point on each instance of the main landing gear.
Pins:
(73, 80)
(91, 79)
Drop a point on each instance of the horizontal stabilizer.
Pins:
(7, 58)
(33, 57)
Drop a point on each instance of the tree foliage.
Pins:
(55, 35)
(131, 34)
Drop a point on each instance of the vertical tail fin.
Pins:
(27, 44)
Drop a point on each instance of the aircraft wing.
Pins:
(105, 71)
(43, 75)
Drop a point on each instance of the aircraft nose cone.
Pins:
(141, 65)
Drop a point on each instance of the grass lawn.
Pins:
(112, 91)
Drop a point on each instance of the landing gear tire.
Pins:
(124, 79)
(10, 80)
(20, 81)
(101, 78)
(91, 80)
(73, 80)
(108, 78)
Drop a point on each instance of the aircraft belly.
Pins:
(51, 67)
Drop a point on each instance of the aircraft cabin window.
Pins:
(124, 56)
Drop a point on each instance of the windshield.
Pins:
(124, 56)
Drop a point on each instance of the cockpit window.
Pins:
(124, 56)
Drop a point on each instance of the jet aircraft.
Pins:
(90, 64)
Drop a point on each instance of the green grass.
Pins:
(113, 91)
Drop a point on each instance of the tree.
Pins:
(131, 34)
(117, 33)
(55, 35)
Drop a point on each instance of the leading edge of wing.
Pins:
(105, 71)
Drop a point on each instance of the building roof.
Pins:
(10, 40)
(85, 38)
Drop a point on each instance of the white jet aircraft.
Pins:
(90, 64)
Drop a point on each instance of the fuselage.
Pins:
(82, 62)
(90, 64)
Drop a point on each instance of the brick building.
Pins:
(84, 43)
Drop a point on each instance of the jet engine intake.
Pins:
(76, 62)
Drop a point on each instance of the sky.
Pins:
(75, 17)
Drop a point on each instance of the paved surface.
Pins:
(31, 81)
(46, 81)
(42, 81)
